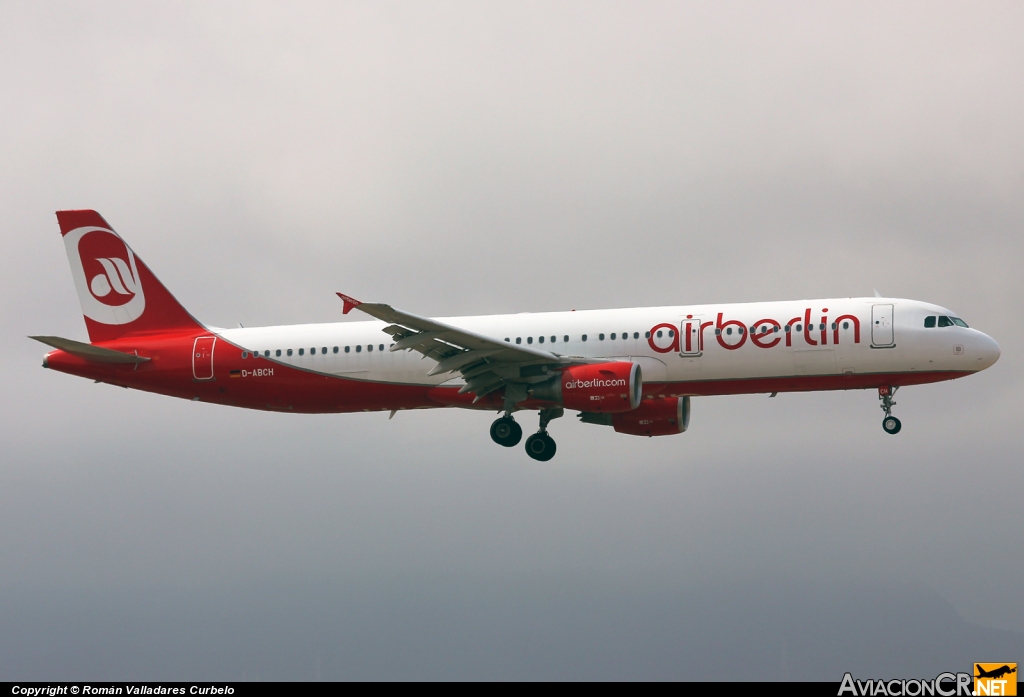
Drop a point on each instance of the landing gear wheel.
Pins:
(540, 446)
(505, 431)
(890, 423)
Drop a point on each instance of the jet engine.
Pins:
(654, 417)
(607, 388)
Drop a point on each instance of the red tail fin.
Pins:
(118, 292)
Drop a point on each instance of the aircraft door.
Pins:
(689, 337)
(881, 326)
(202, 358)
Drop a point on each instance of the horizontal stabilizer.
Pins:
(88, 352)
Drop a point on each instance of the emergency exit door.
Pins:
(202, 358)
(689, 337)
(881, 326)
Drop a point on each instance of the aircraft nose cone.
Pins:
(988, 351)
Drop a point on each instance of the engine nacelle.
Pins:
(607, 388)
(655, 417)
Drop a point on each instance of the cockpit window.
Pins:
(929, 322)
(945, 322)
(959, 322)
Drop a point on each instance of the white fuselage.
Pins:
(741, 341)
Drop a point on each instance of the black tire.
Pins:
(506, 432)
(540, 446)
(891, 425)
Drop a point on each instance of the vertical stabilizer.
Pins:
(118, 292)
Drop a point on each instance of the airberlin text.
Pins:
(580, 384)
(765, 333)
(945, 685)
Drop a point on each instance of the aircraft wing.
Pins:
(486, 363)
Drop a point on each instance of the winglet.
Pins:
(350, 303)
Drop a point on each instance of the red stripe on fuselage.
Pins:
(800, 383)
(287, 388)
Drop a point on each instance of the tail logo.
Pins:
(116, 276)
(106, 275)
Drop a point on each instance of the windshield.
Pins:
(958, 322)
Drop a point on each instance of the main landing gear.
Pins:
(540, 446)
(890, 423)
(506, 432)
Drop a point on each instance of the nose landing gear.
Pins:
(540, 446)
(890, 423)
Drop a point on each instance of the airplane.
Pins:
(995, 673)
(633, 369)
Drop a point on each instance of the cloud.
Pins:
(458, 159)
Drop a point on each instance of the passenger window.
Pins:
(613, 336)
(519, 339)
(381, 347)
(944, 321)
(929, 322)
(289, 352)
(347, 349)
(529, 339)
(600, 337)
(554, 339)
(359, 349)
(671, 333)
(798, 328)
(647, 335)
(565, 338)
(718, 332)
(323, 350)
(584, 337)
(369, 347)
(540, 339)
(278, 352)
(506, 340)
(636, 335)
(658, 334)
(335, 349)
(729, 331)
(846, 325)
(244, 355)
(302, 351)
(788, 328)
(959, 322)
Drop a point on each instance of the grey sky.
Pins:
(477, 158)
